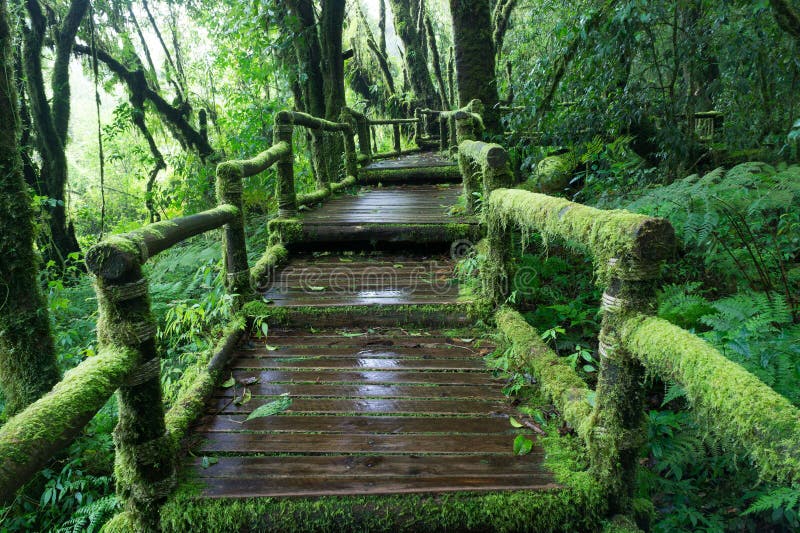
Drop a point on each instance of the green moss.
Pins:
(630, 237)
(401, 175)
(196, 385)
(471, 311)
(557, 380)
(732, 402)
(552, 174)
(284, 231)
(314, 197)
(274, 256)
(31, 437)
(345, 184)
(121, 523)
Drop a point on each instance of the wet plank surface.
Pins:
(416, 160)
(357, 280)
(372, 412)
(400, 204)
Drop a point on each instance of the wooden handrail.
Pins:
(33, 436)
(113, 258)
(392, 121)
(731, 401)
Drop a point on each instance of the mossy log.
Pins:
(314, 197)
(394, 153)
(363, 132)
(630, 239)
(348, 182)
(33, 436)
(199, 383)
(368, 232)
(115, 256)
(316, 123)
(391, 121)
(556, 379)
(245, 168)
(274, 256)
(730, 401)
(444, 174)
(553, 174)
(485, 166)
(467, 312)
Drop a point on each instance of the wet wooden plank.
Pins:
(356, 363)
(428, 351)
(367, 406)
(416, 160)
(374, 466)
(357, 424)
(354, 443)
(287, 487)
(365, 391)
(374, 377)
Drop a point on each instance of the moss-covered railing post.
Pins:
(230, 176)
(144, 468)
(396, 138)
(350, 156)
(484, 167)
(287, 197)
(362, 130)
(619, 430)
(469, 170)
(419, 126)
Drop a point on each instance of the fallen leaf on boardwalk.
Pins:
(244, 398)
(250, 381)
(228, 383)
(272, 408)
(270, 347)
(513, 422)
(208, 461)
(316, 288)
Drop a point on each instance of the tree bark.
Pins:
(51, 123)
(437, 65)
(475, 57)
(416, 57)
(27, 353)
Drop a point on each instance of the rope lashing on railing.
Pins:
(146, 371)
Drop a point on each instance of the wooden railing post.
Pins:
(419, 127)
(144, 469)
(444, 131)
(230, 177)
(619, 430)
(396, 137)
(362, 130)
(350, 157)
(287, 197)
(466, 166)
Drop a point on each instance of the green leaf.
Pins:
(466, 340)
(205, 462)
(244, 398)
(265, 329)
(345, 260)
(513, 422)
(272, 408)
(349, 334)
(522, 445)
(228, 383)
(316, 288)
(270, 347)
(398, 265)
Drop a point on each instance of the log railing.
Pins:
(128, 361)
(628, 250)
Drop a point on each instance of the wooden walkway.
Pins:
(370, 414)
(364, 280)
(373, 410)
(400, 213)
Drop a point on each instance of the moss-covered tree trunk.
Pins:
(475, 57)
(416, 56)
(27, 354)
(51, 119)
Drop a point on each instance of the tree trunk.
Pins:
(27, 354)
(416, 56)
(51, 123)
(475, 57)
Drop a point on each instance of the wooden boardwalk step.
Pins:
(370, 413)
(402, 213)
